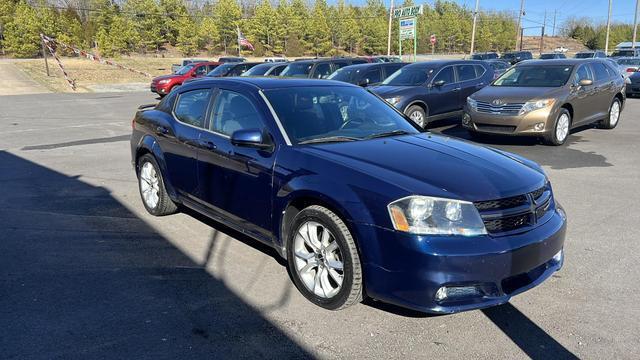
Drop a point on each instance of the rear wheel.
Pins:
(417, 114)
(561, 128)
(614, 115)
(323, 259)
(152, 191)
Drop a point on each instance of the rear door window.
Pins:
(201, 70)
(322, 71)
(232, 112)
(373, 75)
(191, 107)
(466, 72)
(600, 71)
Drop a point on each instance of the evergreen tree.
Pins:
(227, 17)
(22, 33)
(148, 22)
(319, 32)
(188, 37)
(208, 34)
(374, 27)
(174, 12)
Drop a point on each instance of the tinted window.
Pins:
(359, 61)
(309, 113)
(277, 70)
(465, 72)
(584, 55)
(535, 76)
(340, 64)
(391, 68)
(221, 70)
(446, 75)
(166, 104)
(201, 70)
(345, 74)
(583, 73)
(232, 112)
(297, 70)
(191, 107)
(499, 65)
(373, 75)
(185, 69)
(600, 71)
(258, 70)
(211, 67)
(322, 71)
(623, 53)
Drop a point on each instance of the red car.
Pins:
(162, 85)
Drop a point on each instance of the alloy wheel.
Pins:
(614, 114)
(318, 259)
(562, 128)
(417, 117)
(149, 185)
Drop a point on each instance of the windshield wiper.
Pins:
(329, 139)
(388, 133)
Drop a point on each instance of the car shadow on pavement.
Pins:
(556, 157)
(81, 276)
(529, 337)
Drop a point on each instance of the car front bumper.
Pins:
(159, 89)
(522, 125)
(483, 271)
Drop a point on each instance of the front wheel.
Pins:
(417, 114)
(323, 259)
(614, 115)
(561, 128)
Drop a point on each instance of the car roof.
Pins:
(441, 63)
(368, 65)
(270, 83)
(313, 61)
(572, 61)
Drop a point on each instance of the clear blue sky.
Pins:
(622, 10)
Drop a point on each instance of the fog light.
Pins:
(558, 257)
(466, 119)
(539, 126)
(441, 294)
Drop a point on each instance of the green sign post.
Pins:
(407, 20)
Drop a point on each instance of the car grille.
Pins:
(504, 109)
(503, 129)
(516, 213)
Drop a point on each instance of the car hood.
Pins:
(387, 91)
(434, 165)
(515, 94)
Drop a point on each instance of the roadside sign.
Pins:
(407, 28)
(409, 11)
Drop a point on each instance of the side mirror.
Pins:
(253, 138)
(438, 83)
(585, 82)
(363, 82)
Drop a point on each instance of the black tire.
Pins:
(551, 138)
(420, 111)
(351, 291)
(165, 206)
(606, 123)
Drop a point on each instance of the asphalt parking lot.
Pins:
(85, 272)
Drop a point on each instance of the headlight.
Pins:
(627, 80)
(536, 105)
(427, 215)
(393, 100)
(165, 81)
(473, 105)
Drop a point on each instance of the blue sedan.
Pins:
(358, 200)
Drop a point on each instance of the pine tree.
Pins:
(174, 12)
(374, 27)
(121, 37)
(188, 38)
(261, 27)
(148, 22)
(208, 34)
(22, 33)
(320, 34)
(299, 25)
(227, 17)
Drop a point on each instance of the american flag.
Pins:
(242, 41)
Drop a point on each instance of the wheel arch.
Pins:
(420, 103)
(149, 145)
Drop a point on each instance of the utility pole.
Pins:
(606, 41)
(44, 54)
(389, 34)
(555, 12)
(519, 28)
(635, 24)
(544, 26)
(473, 31)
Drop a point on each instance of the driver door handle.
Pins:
(209, 145)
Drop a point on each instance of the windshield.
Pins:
(335, 113)
(535, 76)
(257, 70)
(345, 74)
(221, 70)
(509, 55)
(409, 76)
(547, 56)
(584, 55)
(623, 53)
(185, 69)
(629, 61)
(297, 70)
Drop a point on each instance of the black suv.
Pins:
(484, 56)
(597, 54)
(432, 90)
(515, 57)
(232, 69)
(366, 74)
(318, 68)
